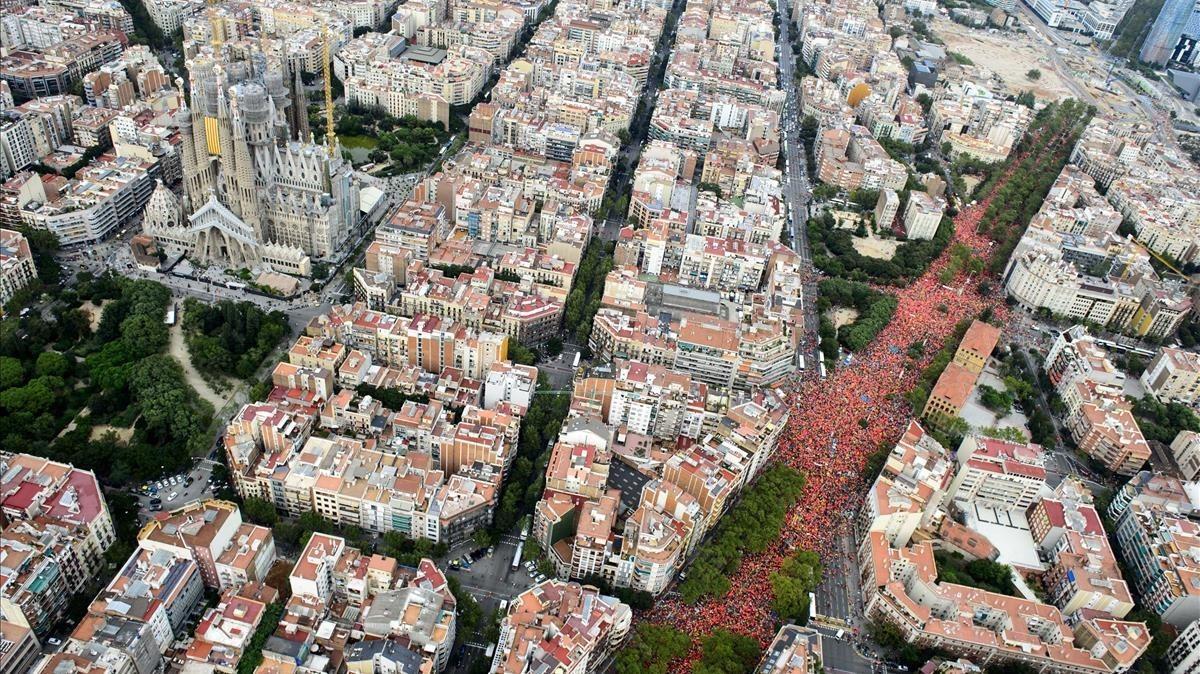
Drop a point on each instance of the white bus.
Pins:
(821, 364)
(575, 363)
(812, 606)
(516, 563)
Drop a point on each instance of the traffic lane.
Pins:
(840, 654)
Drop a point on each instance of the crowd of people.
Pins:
(835, 425)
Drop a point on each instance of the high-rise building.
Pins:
(1166, 31)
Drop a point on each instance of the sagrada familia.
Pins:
(258, 190)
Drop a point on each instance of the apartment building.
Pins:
(656, 401)
(17, 269)
(102, 197)
(909, 491)
(1186, 450)
(556, 625)
(1184, 653)
(901, 588)
(57, 528)
(1161, 548)
(224, 631)
(1099, 418)
(422, 613)
(20, 648)
(794, 650)
(922, 215)
(975, 124)
(159, 589)
(1083, 571)
(1005, 474)
(51, 70)
(1071, 262)
(1173, 376)
(228, 551)
(851, 158)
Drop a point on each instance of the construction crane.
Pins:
(330, 136)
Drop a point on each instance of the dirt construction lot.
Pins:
(1008, 54)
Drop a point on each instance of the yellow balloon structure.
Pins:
(858, 93)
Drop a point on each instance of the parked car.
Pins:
(174, 495)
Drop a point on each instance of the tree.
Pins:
(260, 512)
(727, 653)
(482, 538)
(12, 373)
(144, 335)
(995, 400)
(652, 649)
(1034, 74)
(799, 575)
(34, 398)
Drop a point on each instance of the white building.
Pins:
(102, 197)
(886, 208)
(313, 574)
(511, 383)
(1002, 473)
(922, 215)
(1184, 653)
(1174, 376)
(16, 263)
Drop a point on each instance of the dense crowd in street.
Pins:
(828, 440)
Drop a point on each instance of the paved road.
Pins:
(797, 190)
(490, 580)
(840, 654)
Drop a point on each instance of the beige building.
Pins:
(1173, 376)
(16, 264)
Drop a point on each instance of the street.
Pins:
(797, 189)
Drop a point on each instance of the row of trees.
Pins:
(231, 338)
(748, 528)
(834, 253)
(725, 652)
(584, 300)
(1040, 156)
(930, 373)
(875, 310)
(523, 486)
(252, 657)
(391, 398)
(652, 649)
(1025, 384)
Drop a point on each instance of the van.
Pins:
(840, 634)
